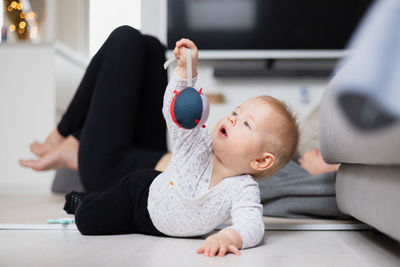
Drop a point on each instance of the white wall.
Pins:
(27, 105)
(106, 15)
(67, 21)
(1, 18)
(153, 18)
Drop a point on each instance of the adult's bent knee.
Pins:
(125, 33)
(153, 41)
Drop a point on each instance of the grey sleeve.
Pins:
(294, 193)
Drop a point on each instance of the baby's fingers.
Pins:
(214, 250)
(201, 249)
(222, 250)
(234, 250)
(176, 53)
(186, 43)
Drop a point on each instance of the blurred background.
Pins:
(287, 49)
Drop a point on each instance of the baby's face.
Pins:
(241, 137)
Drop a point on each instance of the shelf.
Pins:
(229, 73)
(269, 54)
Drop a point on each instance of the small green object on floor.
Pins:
(61, 220)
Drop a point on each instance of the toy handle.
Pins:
(188, 65)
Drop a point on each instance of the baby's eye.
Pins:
(234, 113)
(247, 124)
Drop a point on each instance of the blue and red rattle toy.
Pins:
(189, 107)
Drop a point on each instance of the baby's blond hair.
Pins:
(285, 140)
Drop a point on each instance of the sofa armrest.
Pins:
(343, 143)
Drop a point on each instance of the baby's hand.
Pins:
(219, 243)
(180, 54)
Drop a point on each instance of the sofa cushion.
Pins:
(371, 194)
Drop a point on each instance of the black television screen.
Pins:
(264, 24)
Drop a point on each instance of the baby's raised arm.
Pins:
(184, 113)
(180, 54)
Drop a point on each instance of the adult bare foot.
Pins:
(65, 154)
(313, 163)
(41, 149)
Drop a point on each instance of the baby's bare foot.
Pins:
(41, 149)
(62, 155)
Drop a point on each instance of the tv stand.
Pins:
(272, 69)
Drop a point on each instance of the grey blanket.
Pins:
(294, 193)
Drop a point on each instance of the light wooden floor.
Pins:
(69, 248)
(280, 248)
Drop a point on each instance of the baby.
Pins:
(211, 176)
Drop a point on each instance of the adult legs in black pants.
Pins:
(124, 129)
(116, 111)
(121, 129)
(116, 116)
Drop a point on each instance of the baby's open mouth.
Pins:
(223, 131)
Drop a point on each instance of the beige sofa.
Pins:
(368, 180)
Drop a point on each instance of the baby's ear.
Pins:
(264, 162)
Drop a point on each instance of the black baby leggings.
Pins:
(116, 110)
(122, 209)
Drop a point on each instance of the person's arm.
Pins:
(247, 228)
